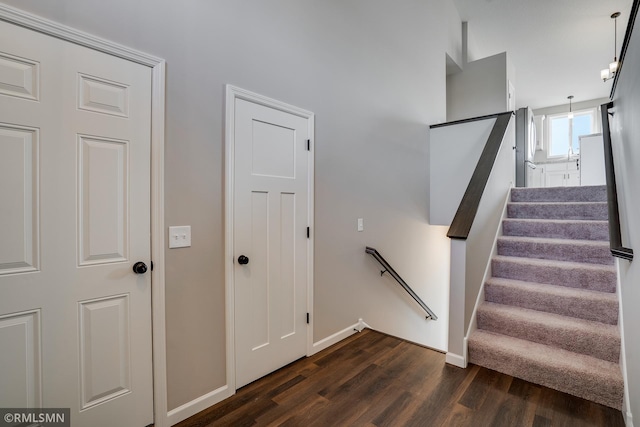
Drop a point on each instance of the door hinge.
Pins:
(307, 318)
(308, 232)
(308, 145)
(151, 265)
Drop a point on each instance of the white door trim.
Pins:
(45, 26)
(233, 93)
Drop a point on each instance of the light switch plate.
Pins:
(180, 236)
(360, 224)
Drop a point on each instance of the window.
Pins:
(565, 132)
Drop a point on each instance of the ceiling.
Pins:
(557, 47)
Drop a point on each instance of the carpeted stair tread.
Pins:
(595, 277)
(578, 374)
(594, 339)
(595, 193)
(556, 228)
(550, 311)
(555, 210)
(579, 303)
(589, 251)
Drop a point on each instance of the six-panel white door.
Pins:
(75, 320)
(271, 214)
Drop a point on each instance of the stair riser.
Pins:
(558, 252)
(586, 385)
(574, 277)
(580, 358)
(560, 194)
(596, 211)
(574, 231)
(589, 342)
(600, 311)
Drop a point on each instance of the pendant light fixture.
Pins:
(609, 73)
(570, 115)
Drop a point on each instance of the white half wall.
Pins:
(470, 257)
(487, 221)
(453, 155)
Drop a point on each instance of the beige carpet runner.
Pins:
(550, 314)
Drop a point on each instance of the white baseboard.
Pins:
(201, 403)
(361, 325)
(338, 336)
(455, 360)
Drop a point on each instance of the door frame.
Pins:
(232, 94)
(158, 67)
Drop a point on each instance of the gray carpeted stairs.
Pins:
(550, 314)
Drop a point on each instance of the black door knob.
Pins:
(139, 267)
(243, 260)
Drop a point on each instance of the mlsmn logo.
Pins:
(44, 417)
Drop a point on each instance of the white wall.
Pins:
(480, 89)
(453, 155)
(511, 78)
(625, 130)
(472, 47)
(373, 72)
(454, 31)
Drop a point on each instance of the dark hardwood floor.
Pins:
(372, 379)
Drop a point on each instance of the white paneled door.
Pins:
(271, 214)
(75, 319)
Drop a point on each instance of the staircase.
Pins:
(550, 314)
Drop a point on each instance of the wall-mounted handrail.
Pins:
(615, 236)
(466, 213)
(625, 44)
(388, 269)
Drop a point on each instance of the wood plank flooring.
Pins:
(372, 379)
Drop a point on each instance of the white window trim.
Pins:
(547, 125)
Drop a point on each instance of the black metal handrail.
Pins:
(388, 269)
(469, 120)
(625, 44)
(615, 236)
(466, 213)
